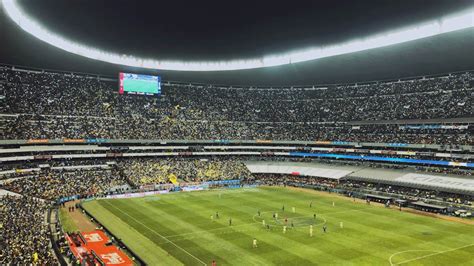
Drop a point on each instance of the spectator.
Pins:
(24, 232)
(51, 105)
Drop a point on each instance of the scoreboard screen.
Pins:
(139, 84)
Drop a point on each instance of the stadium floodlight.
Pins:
(454, 22)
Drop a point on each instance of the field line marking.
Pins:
(158, 234)
(406, 251)
(213, 229)
(224, 232)
(256, 222)
(436, 253)
(246, 224)
(297, 217)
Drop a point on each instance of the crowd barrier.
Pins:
(223, 141)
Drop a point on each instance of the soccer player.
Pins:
(255, 243)
(258, 212)
(276, 215)
(311, 230)
(217, 215)
(314, 216)
(284, 229)
(230, 221)
(263, 223)
(283, 208)
(325, 228)
(214, 263)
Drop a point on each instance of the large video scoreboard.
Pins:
(139, 84)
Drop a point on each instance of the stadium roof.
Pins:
(210, 31)
(449, 183)
(296, 169)
(406, 177)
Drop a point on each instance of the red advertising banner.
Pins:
(92, 245)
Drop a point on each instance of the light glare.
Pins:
(451, 23)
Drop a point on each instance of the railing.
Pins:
(225, 142)
(54, 245)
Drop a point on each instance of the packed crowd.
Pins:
(171, 170)
(24, 236)
(139, 170)
(292, 180)
(54, 185)
(49, 105)
(29, 127)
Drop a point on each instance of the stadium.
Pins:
(200, 133)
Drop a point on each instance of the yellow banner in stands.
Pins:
(173, 179)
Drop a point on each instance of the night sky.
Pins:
(210, 30)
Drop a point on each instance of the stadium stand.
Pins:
(55, 185)
(24, 239)
(58, 105)
(67, 136)
(152, 171)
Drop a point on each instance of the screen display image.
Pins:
(139, 84)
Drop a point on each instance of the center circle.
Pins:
(288, 218)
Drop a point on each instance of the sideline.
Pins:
(158, 234)
(79, 219)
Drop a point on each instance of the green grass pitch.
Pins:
(143, 86)
(177, 229)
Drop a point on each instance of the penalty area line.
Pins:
(158, 234)
(429, 255)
